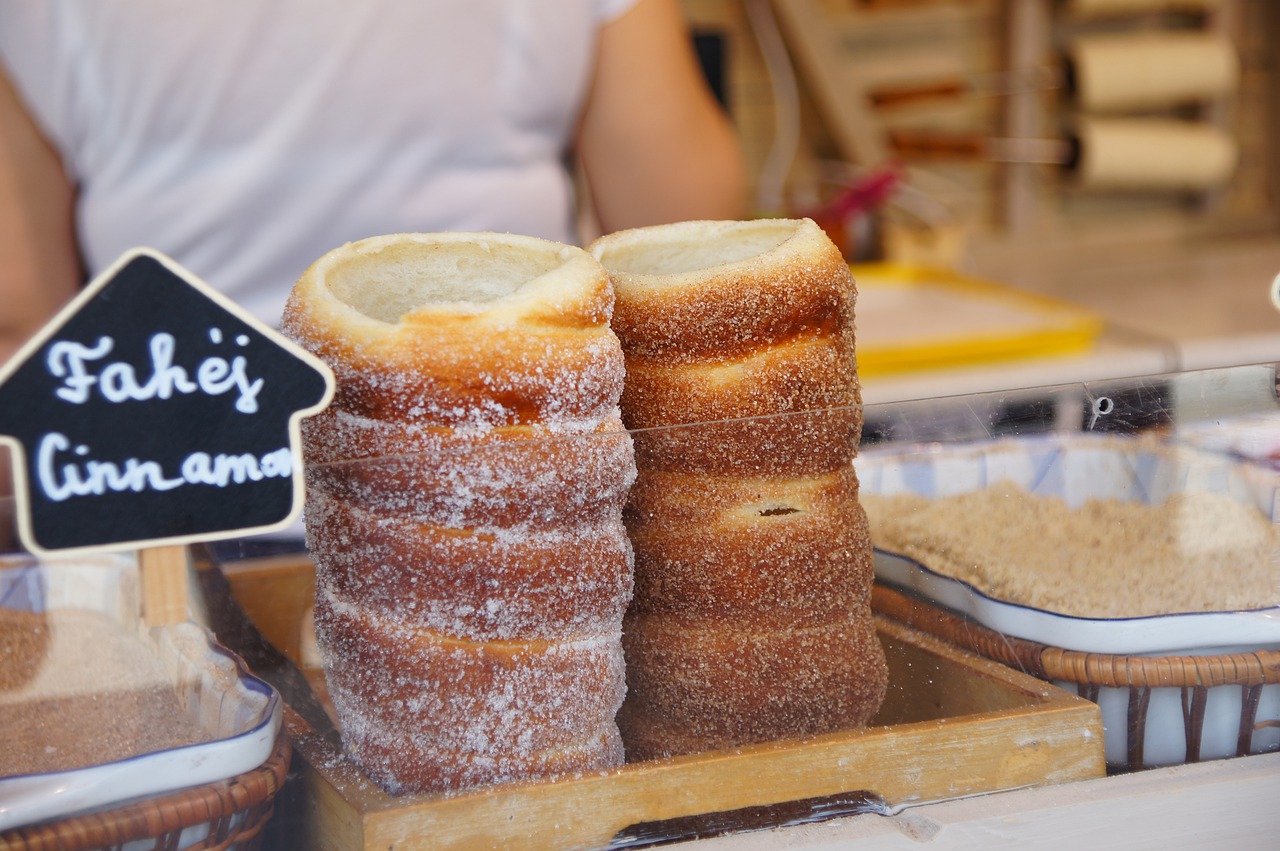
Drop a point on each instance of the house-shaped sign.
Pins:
(152, 410)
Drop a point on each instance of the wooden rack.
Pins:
(994, 68)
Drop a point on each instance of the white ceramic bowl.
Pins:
(241, 713)
(1185, 634)
(1077, 468)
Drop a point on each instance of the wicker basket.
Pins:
(213, 817)
(1092, 673)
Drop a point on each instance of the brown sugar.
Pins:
(24, 641)
(1196, 552)
(78, 689)
(65, 733)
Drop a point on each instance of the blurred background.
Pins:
(1109, 156)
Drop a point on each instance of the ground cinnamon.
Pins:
(79, 689)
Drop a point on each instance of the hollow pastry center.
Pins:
(402, 278)
(690, 251)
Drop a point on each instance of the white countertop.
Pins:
(1168, 308)
(1223, 804)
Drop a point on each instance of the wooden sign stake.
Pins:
(164, 572)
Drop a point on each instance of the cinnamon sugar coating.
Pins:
(504, 476)
(716, 292)
(494, 583)
(461, 330)
(465, 492)
(751, 619)
(743, 684)
(514, 695)
(789, 445)
(777, 552)
(403, 764)
(805, 373)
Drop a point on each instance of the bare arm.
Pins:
(39, 269)
(654, 143)
(39, 266)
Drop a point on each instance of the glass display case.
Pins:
(1031, 639)
(1119, 539)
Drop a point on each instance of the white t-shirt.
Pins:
(245, 138)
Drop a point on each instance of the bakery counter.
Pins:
(462, 583)
(1165, 307)
(946, 762)
(971, 748)
(944, 708)
(1226, 804)
(1210, 298)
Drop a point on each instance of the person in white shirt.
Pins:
(245, 139)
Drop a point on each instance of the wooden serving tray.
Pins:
(954, 724)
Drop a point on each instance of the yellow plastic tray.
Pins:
(914, 318)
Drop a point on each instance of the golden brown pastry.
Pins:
(464, 509)
(779, 551)
(751, 619)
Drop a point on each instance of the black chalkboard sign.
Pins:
(152, 410)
